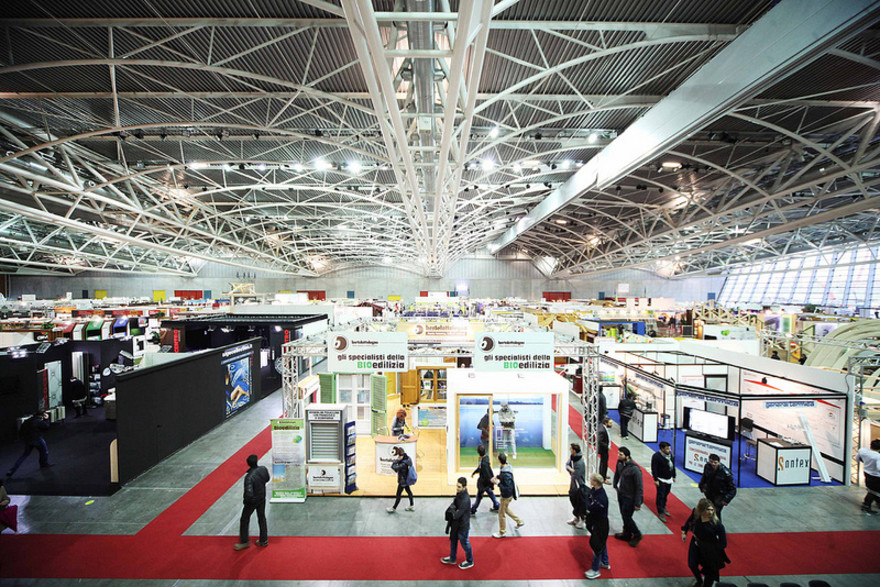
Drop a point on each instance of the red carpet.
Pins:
(159, 551)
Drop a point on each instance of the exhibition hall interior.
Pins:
(611, 250)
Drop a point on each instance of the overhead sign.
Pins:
(514, 351)
(367, 352)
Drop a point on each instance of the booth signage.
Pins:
(708, 398)
(288, 460)
(793, 466)
(385, 458)
(324, 476)
(431, 416)
(455, 330)
(514, 351)
(325, 415)
(367, 352)
(697, 451)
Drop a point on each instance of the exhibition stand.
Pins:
(784, 463)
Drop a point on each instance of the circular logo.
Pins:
(487, 344)
(419, 329)
(340, 343)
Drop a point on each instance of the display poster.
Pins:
(288, 460)
(324, 476)
(350, 457)
(238, 365)
(697, 451)
(367, 352)
(430, 416)
(793, 466)
(445, 331)
(514, 351)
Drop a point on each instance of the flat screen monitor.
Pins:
(718, 425)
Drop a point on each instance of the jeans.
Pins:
(465, 545)
(600, 558)
(627, 507)
(249, 508)
(400, 489)
(487, 491)
(40, 445)
(663, 490)
(624, 425)
(872, 482)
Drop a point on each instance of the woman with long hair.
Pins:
(401, 466)
(706, 555)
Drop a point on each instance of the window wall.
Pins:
(843, 278)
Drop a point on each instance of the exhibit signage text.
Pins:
(367, 352)
(514, 351)
(697, 451)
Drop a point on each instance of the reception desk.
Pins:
(643, 425)
(384, 458)
(784, 463)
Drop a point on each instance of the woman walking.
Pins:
(707, 545)
(401, 467)
(597, 508)
(577, 490)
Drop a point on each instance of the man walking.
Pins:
(717, 484)
(507, 488)
(628, 483)
(254, 499)
(870, 458)
(603, 446)
(31, 433)
(663, 471)
(484, 481)
(458, 524)
(625, 410)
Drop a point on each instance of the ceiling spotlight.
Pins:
(227, 167)
(532, 163)
(593, 137)
(354, 167)
(517, 168)
(200, 165)
(493, 134)
(261, 167)
(670, 166)
(566, 164)
(322, 165)
(298, 167)
(487, 165)
(562, 221)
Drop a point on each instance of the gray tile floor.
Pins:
(129, 510)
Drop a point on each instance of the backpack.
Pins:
(411, 476)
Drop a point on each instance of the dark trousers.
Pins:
(603, 463)
(246, 512)
(40, 445)
(624, 426)
(485, 491)
(663, 490)
(456, 538)
(873, 484)
(400, 490)
(705, 577)
(627, 507)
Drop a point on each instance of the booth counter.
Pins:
(643, 424)
(384, 457)
(784, 463)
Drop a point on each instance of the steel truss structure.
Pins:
(313, 136)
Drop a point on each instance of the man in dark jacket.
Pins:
(484, 481)
(717, 484)
(31, 433)
(628, 483)
(458, 524)
(603, 406)
(663, 472)
(625, 409)
(603, 446)
(79, 396)
(254, 499)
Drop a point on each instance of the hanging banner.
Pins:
(441, 331)
(367, 352)
(288, 460)
(514, 351)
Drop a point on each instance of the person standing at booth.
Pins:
(628, 483)
(577, 490)
(458, 525)
(625, 410)
(31, 433)
(254, 500)
(603, 446)
(399, 425)
(663, 471)
(484, 482)
(717, 484)
(79, 395)
(401, 466)
(870, 458)
(706, 553)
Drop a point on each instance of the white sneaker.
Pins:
(604, 566)
(497, 535)
(580, 525)
(410, 508)
(572, 521)
(591, 574)
(390, 510)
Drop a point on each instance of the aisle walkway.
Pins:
(179, 521)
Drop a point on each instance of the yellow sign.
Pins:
(393, 298)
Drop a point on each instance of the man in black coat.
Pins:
(458, 524)
(31, 433)
(663, 472)
(625, 409)
(717, 484)
(604, 445)
(484, 481)
(628, 483)
(254, 499)
(79, 396)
